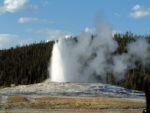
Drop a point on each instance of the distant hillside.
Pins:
(25, 65)
(28, 64)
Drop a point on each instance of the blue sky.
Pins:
(27, 21)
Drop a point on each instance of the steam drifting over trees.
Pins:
(29, 64)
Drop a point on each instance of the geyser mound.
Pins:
(90, 57)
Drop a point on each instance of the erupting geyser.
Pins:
(89, 56)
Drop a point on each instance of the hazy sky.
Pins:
(27, 21)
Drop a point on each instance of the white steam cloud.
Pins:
(86, 58)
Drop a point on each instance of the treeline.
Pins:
(29, 64)
(133, 79)
(25, 65)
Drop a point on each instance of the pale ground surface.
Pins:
(51, 97)
(71, 89)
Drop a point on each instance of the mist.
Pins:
(89, 56)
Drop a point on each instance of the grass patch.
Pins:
(13, 99)
(79, 111)
(87, 104)
(92, 103)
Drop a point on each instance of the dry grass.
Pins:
(79, 111)
(72, 105)
(13, 99)
(100, 103)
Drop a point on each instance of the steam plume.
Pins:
(88, 57)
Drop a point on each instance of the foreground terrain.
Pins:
(70, 98)
(19, 104)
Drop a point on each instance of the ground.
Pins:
(70, 98)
